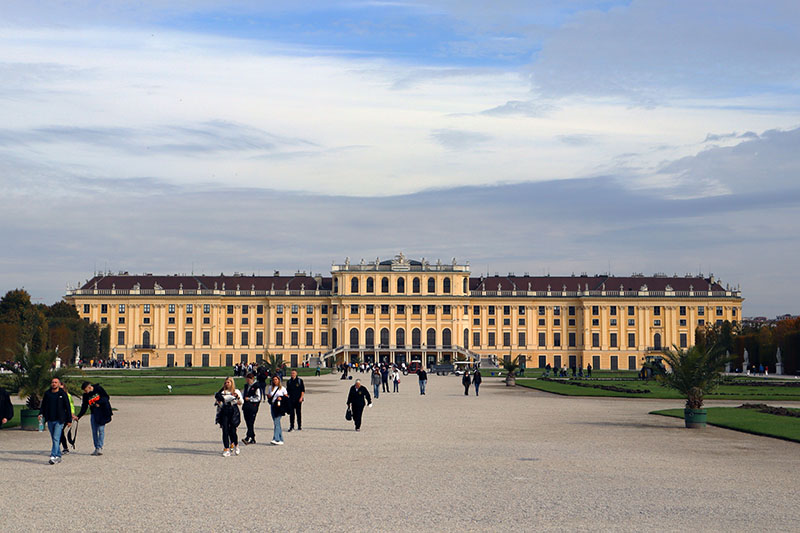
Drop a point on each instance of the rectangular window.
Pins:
(733, 311)
(657, 322)
(324, 321)
(476, 339)
(556, 321)
(541, 310)
(571, 339)
(613, 322)
(171, 320)
(446, 310)
(631, 340)
(431, 309)
(682, 310)
(279, 309)
(384, 309)
(309, 321)
(295, 309)
(571, 321)
(557, 310)
(259, 338)
(245, 338)
(683, 340)
(259, 320)
(657, 310)
(188, 338)
(491, 309)
(476, 321)
(595, 310)
(521, 310)
(170, 338)
(401, 309)
(596, 362)
(103, 320)
(120, 320)
(476, 310)
(353, 309)
(146, 320)
(542, 361)
(415, 309)
(719, 311)
(245, 320)
(682, 322)
(245, 309)
(491, 321)
(145, 308)
(541, 322)
(294, 320)
(309, 338)
(595, 340)
(612, 310)
(229, 321)
(120, 338)
(309, 309)
(295, 338)
(229, 309)
(334, 309)
(506, 338)
(631, 362)
(323, 309)
(506, 309)
(542, 339)
(701, 310)
(631, 310)
(370, 309)
(229, 338)
(614, 362)
(491, 338)
(557, 339)
(121, 308)
(279, 320)
(279, 338)
(631, 322)
(189, 309)
(521, 338)
(104, 308)
(595, 321)
(259, 309)
(206, 338)
(206, 308)
(613, 340)
(324, 338)
(571, 310)
(521, 321)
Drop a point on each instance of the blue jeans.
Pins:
(477, 385)
(376, 389)
(56, 429)
(422, 384)
(396, 386)
(98, 433)
(277, 433)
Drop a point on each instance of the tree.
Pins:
(694, 372)
(62, 310)
(32, 373)
(13, 304)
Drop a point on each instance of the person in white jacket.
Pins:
(395, 379)
(277, 398)
(228, 400)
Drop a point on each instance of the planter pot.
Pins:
(29, 419)
(511, 381)
(695, 418)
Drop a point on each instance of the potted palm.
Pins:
(694, 372)
(32, 373)
(511, 366)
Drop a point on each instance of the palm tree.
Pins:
(32, 374)
(511, 366)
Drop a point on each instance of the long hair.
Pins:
(280, 381)
(233, 385)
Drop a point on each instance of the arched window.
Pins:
(431, 338)
(334, 338)
(354, 285)
(431, 285)
(466, 287)
(384, 284)
(415, 286)
(335, 285)
(401, 285)
(466, 338)
(384, 338)
(146, 338)
(447, 340)
(446, 285)
(370, 285)
(354, 337)
(416, 338)
(400, 338)
(370, 335)
(657, 341)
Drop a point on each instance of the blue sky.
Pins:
(664, 136)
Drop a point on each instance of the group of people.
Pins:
(381, 377)
(563, 372)
(110, 363)
(282, 400)
(475, 380)
(57, 411)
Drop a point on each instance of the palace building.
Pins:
(402, 310)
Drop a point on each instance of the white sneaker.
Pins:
(226, 453)
(279, 443)
(236, 450)
(274, 442)
(52, 460)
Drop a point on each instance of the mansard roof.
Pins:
(593, 283)
(244, 282)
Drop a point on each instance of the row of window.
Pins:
(400, 285)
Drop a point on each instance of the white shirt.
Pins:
(228, 398)
(280, 392)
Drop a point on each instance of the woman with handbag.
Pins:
(228, 400)
(278, 399)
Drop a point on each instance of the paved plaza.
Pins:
(511, 460)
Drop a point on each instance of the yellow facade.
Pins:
(400, 311)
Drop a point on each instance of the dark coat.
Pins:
(6, 409)
(99, 403)
(227, 413)
(55, 407)
(465, 380)
(476, 378)
(358, 397)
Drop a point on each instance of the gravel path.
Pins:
(510, 460)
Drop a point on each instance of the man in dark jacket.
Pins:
(423, 379)
(356, 399)
(297, 393)
(96, 398)
(476, 380)
(55, 411)
(6, 409)
(466, 382)
(252, 398)
(384, 379)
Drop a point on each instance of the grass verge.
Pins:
(747, 421)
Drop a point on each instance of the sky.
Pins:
(521, 136)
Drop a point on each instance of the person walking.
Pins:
(297, 394)
(384, 379)
(96, 398)
(589, 370)
(252, 399)
(357, 398)
(395, 377)
(476, 380)
(276, 396)
(228, 400)
(6, 408)
(466, 382)
(376, 381)
(64, 442)
(55, 412)
(317, 372)
(423, 380)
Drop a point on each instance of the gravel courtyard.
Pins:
(510, 460)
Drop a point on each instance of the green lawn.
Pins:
(724, 392)
(14, 422)
(182, 371)
(747, 420)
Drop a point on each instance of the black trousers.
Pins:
(229, 436)
(357, 412)
(384, 386)
(296, 408)
(466, 389)
(250, 419)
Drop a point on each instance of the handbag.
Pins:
(348, 415)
